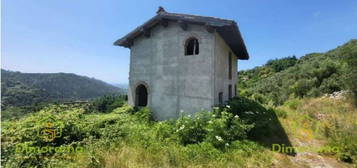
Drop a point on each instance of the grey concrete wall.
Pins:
(221, 81)
(176, 83)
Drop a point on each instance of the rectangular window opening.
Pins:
(229, 91)
(230, 66)
(220, 97)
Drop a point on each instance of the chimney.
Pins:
(160, 10)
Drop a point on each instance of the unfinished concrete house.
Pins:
(183, 63)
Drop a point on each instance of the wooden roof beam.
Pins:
(209, 28)
(164, 22)
(183, 24)
(145, 31)
(129, 42)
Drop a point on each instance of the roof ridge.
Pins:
(168, 13)
(228, 29)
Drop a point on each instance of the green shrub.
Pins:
(27, 133)
(350, 58)
(252, 112)
(345, 141)
(144, 114)
(281, 113)
(226, 128)
(282, 63)
(241, 105)
(190, 130)
(105, 104)
(164, 130)
(218, 128)
(292, 103)
(314, 92)
(259, 98)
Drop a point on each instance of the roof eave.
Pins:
(133, 34)
(238, 47)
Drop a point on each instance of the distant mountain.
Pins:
(22, 89)
(121, 85)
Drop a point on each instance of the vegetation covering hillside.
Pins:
(25, 91)
(238, 135)
(310, 76)
(280, 120)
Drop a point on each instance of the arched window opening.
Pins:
(141, 95)
(229, 91)
(192, 46)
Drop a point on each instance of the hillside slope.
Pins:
(20, 89)
(126, 137)
(312, 75)
(302, 132)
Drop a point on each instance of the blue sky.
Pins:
(77, 35)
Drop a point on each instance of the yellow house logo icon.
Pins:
(50, 129)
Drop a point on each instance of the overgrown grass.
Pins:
(331, 121)
(238, 135)
(129, 138)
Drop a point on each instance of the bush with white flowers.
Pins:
(219, 128)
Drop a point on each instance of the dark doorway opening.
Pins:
(141, 95)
